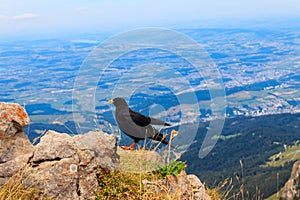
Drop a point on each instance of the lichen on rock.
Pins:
(13, 118)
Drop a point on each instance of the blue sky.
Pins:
(18, 17)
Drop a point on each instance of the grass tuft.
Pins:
(13, 190)
(118, 185)
(222, 192)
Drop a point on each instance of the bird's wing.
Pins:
(139, 119)
(143, 120)
(131, 128)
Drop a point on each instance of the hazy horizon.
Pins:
(48, 18)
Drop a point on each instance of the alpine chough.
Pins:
(136, 125)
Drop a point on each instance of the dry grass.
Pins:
(223, 191)
(147, 157)
(138, 161)
(228, 191)
(13, 190)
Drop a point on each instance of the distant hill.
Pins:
(255, 140)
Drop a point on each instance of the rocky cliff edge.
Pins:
(61, 166)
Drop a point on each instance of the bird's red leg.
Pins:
(131, 147)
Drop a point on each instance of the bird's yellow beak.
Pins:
(111, 101)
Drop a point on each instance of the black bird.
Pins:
(136, 125)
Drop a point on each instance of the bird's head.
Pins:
(118, 101)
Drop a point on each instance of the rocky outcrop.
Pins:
(187, 186)
(292, 187)
(13, 118)
(65, 167)
(15, 148)
(60, 166)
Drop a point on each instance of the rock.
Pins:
(197, 187)
(292, 186)
(13, 118)
(60, 166)
(15, 147)
(187, 186)
(65, 167)
(98, 150)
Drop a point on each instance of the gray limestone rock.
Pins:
(63, 166)
(60, 166)
(15, 147)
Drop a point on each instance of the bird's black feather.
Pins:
(143, 120)
(139, 119)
